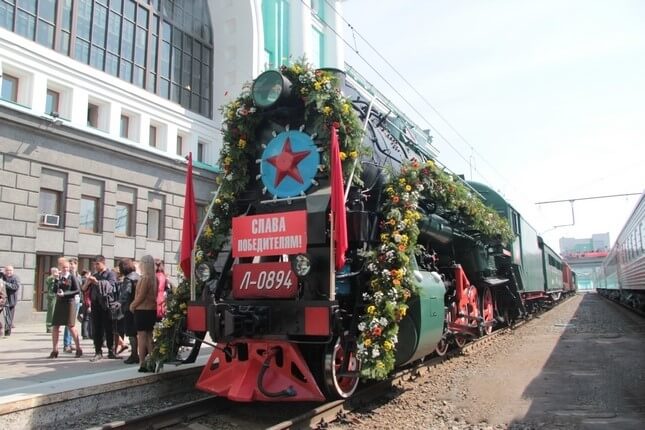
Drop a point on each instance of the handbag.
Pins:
(116, 311)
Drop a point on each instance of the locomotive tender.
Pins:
(302, 313)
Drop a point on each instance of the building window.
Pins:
(154, 44)
(125, 126)
(126, 199)
(51, 103)
(152, 139)
(93, 115)
(49, 207)
(154, 224)
(91, 205)
(123, 221)
(9, 88)
(275, 14)
(200, 152)
(89, 214)
(318, 47)
(155, 216)
(180, 145)
(317, 8)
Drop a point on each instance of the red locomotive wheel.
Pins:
(338, 385)
(488, 310)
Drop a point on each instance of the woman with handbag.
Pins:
(65, 308)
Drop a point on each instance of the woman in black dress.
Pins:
(66, 287)
(126, 295)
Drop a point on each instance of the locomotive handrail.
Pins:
(351, 176)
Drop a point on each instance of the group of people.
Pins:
(9, 286)
(117, 303)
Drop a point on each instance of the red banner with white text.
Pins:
(270, 234)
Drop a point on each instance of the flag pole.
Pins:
(193, 251)
(332, 260)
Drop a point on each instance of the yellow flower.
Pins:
(208, 232)
(342, 155)
(241, 144)
(317, 86)
(296, 68)
(327, 111)
(402, 181)
(387, 345)
(403, 311)
(367, 343)
(353, 154)
(371, 309)
(380, 365)
(346, 108)
(408, 188)
(384, 237)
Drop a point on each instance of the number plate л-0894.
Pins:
(264, 281)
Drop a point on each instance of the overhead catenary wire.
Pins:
(396, 91)
(436, 132)
(421, 96)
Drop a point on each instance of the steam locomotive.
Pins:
(305, 296)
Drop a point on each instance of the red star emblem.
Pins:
(286, 163)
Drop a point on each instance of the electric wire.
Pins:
(422, 97)
(398, 93)
(389, 84)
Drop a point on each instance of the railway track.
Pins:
(181, 415)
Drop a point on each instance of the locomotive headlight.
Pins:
(205, 272)
(270, 87)
(301, 264)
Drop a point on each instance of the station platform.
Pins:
(29, 379)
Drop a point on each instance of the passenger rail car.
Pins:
(297, 314)
(535, 271)
(623, 270)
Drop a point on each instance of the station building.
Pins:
(101, 100)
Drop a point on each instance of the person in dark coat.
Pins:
(67, 288)
(3, 301)
(126, 295)
(12, 285)
(101, 285)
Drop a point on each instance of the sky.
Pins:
(540, 100)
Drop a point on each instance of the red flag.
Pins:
(339, 217)
(189, 230)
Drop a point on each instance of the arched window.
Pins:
(275, 19)
(164, 46)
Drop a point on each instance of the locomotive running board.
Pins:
(239, 377)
